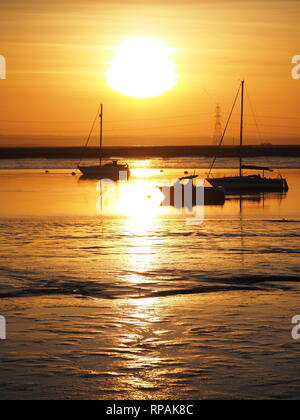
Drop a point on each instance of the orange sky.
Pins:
(57, 53)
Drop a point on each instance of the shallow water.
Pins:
(114, 296)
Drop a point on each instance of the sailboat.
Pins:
(112, 170)
(248, 183)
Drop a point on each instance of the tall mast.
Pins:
(241, 129)
(101, 120)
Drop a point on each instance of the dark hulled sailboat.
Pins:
(248, 183)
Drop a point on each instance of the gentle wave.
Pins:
(108, 291)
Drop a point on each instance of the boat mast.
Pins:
(241, 129)
(101, 119)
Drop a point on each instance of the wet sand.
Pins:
(233, 345)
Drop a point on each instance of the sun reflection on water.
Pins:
(141, 205)
(140, 201)
(145, 363)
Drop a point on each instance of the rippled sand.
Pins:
(228, 345)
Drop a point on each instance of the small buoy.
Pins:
(161, 170)
(186, 172)
(46, 172)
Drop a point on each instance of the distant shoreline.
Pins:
(143, 152)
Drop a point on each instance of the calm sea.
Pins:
(110, 295)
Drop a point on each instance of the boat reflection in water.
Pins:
(257, 197)
(140, 197)
(147, 196)
(136, 198)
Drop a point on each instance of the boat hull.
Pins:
(181, 197)
(246, 184)
(114, 172)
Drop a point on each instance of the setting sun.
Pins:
(142, 67)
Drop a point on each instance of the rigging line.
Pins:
(207, 93)
(6, 131)
(137, 119)
(162, 118)
(275, 117)
(121, 130)
(109, 121)
(254, 117)
(158, 127)
(89, 136)
(271, 125)
(281, 126)
(224, 132)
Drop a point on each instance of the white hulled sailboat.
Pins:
(111, 170)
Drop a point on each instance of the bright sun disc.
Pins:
(142, 68)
